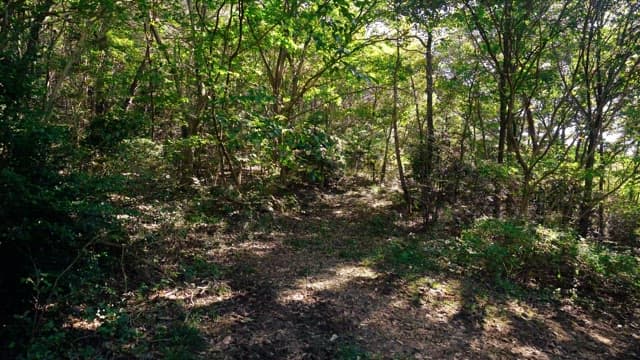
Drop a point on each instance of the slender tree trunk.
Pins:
(394, 121)
(372, 163)
(601, 218)
(222, 150)
(429, 112)
(586, 206)
(592, 143)
(152, 104)
(416, 104)
(128, 101)
(526, 195)
(483, 132)
(527, 176)
(427, 189)
(385, 157)
(504, 85)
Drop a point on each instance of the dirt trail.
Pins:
(312, 284)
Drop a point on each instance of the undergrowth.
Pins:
(540, 257)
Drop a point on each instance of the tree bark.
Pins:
(427, 189)
(385, 156)
(394, 121)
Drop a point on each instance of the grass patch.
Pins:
(409, 257)
(352, 352)
(180, 342)
(199, 268)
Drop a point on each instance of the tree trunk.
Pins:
(506, 96)
(526, 195)
(385, 157)
(394, 121)
(601, 218)
(427, 176)
(586, 206)
(595, 123)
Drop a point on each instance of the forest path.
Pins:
(334, 279)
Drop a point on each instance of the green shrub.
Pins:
(142, 157)
(522, 253)
(603, 266)
(410, 257)
(508, 250)
(624, 222)
(47, 229)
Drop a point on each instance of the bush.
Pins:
(624, 223)
(138, 157)
(607, 270)
(522, 253)
(314, 155)
(47, 225)
(508, 250)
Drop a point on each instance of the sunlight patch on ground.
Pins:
(370, 199)
(225, 321)
(442, 296)
(404, 326)
(256, 248)
(558, 331)
(288, 296)
(523, 310)
(602, 339)
(118, 197)
(379, 203)
(526, 352)
(528, 313)
(508, 349)
(82, 324)
(335, 279)
(197, 296)
(145, 207)
(150, 226)
(375, 201)
(497, 322)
